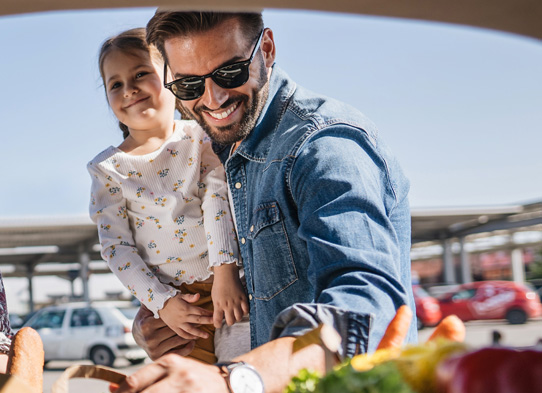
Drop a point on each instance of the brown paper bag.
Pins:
(83, 371)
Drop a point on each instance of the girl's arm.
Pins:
(218, 220)
(229, 298)
(108, 210)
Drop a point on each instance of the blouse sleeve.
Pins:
(218, 221)
(5, 327)
(108, 210)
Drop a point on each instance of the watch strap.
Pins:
(223, 365)
(225, 370)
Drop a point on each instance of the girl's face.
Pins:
(134, 87)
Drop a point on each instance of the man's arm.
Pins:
(277, 364)
(274, 361)
(354, 217)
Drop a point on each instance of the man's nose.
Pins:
(214, 95)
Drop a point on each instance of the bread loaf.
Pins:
(26, 358)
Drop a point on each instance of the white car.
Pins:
(100, 332)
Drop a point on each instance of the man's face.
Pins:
(227, 115)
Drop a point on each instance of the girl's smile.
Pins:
(136, 102)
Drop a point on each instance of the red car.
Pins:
(492, 300)
(427, 308)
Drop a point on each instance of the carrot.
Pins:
(397, 329)
(450, 328)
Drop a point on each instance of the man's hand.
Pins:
(173, 373)
(229, 298)
(156, 338)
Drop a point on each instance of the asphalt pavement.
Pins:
(479, 333)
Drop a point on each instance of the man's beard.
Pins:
(237, 131)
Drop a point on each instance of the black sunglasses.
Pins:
(228, 77)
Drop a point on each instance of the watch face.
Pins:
(244, 379)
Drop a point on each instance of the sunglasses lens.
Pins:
(231, 76)
(228, 77)
(188, 88)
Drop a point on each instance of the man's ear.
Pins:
(268, 47)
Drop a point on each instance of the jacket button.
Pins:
(243, 241)
(238, 185)
(252, 228)
(249, 297)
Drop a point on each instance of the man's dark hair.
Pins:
(168, 24)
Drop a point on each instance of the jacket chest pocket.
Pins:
(273, 265)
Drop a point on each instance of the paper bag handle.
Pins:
(84, 371)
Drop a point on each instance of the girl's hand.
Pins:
(184, 318)
(229, 298)
(156, 338)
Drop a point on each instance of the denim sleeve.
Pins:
(301, 318)
(354, 216)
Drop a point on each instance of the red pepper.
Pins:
(492, 370)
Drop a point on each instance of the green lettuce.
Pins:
(384, 378)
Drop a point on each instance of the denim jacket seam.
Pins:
(251, 157)
(293, 265)
(321, 123)
(286, 157)
(237, 205)
(278, 292)
(264, 206)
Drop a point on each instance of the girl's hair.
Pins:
(130, 41)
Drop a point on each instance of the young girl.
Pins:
(160, 201)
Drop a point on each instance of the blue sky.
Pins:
(460, 107)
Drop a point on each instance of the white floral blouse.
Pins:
(163, 217)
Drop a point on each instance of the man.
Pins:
(320, 205)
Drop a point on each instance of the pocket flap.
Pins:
(264, 215)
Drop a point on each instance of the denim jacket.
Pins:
(323, 220)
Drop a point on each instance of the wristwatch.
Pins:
(241, 377)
